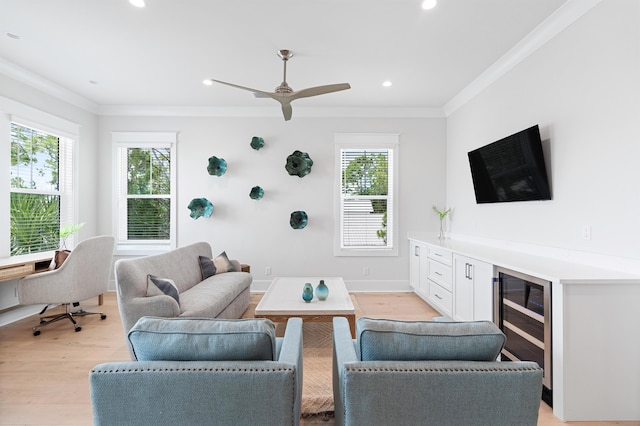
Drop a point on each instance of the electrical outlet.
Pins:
(267, 270)
(586, 232)
(365, 270)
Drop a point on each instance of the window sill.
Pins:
(141, 249)
(340, 252)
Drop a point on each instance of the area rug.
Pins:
(317, 388)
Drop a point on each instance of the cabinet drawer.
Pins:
(441, 297)
(441, 274)
(441, 255)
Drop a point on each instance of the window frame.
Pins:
(125, 140)
(365, 141)
(69, 132)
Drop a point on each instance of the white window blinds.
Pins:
(366, 207)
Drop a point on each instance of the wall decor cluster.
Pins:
(200, 207)
(256, 193)
(257, 142)
(298, 219)
(217, 166)
(299, 164)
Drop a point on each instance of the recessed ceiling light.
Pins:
(387, 83)
(137, 3)
(429, 4)
(13, 36)
(207, 82)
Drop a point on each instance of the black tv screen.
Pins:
(511, 169)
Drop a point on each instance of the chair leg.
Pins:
(68, 314)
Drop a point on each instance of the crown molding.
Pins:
(562, 18)
(31, 79)
(266, 112)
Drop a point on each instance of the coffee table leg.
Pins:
(352, 324)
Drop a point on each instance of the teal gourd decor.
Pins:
(256, 193)
(307, 292)
(200, 207)
(217, 166)
(322, 291)
(257, 142)
(298, 219)
(299, 164)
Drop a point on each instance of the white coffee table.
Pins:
(283, 300)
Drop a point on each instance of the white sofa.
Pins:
(223, 295)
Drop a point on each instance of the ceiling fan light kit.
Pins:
(284, 93)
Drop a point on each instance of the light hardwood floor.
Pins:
(44, 379)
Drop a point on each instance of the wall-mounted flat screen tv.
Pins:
(510, 169)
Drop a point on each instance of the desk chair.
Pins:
(83, 275)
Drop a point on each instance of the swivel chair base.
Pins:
(68, 314)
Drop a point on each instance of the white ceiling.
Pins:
(159, 55)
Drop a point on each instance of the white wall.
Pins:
(258, 232)
(583, 89)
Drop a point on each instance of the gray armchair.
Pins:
(197, 371)
(84, 274)
(430, 373)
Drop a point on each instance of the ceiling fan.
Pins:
(284, 93)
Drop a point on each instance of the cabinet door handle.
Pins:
(437, 273)
(416, 251)
(467, 270)
(438, 296)
(470, 271)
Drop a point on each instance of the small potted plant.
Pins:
(442, 214)
(62, 253)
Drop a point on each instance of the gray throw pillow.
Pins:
(157, 286)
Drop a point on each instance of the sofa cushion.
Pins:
(203, 339)
(158, 286)
(386, 340)
(217, 265)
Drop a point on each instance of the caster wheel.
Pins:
(78, 328)
(42, 321)
(103, 316)
(36, 332)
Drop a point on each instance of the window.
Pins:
(145, 190)
(41, 196)
(366, 206)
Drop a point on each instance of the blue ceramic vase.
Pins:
(322, 291)
(307, 292)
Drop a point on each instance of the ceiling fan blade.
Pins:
(319, 90)
(255, 91)
(286, 110)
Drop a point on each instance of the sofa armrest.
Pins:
(194, 392)
(131, 310)
(344, 350)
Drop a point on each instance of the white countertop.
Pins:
(549, 268)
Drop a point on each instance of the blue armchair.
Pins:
(196, 371)
(430, 373)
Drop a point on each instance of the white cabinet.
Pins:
(440, 277)
(472, 289)
(418, 268)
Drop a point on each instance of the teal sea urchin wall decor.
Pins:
(217, 166)
(200, 207)
(298, 219)
(257, 142)
(299, 164)
(256, 193)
